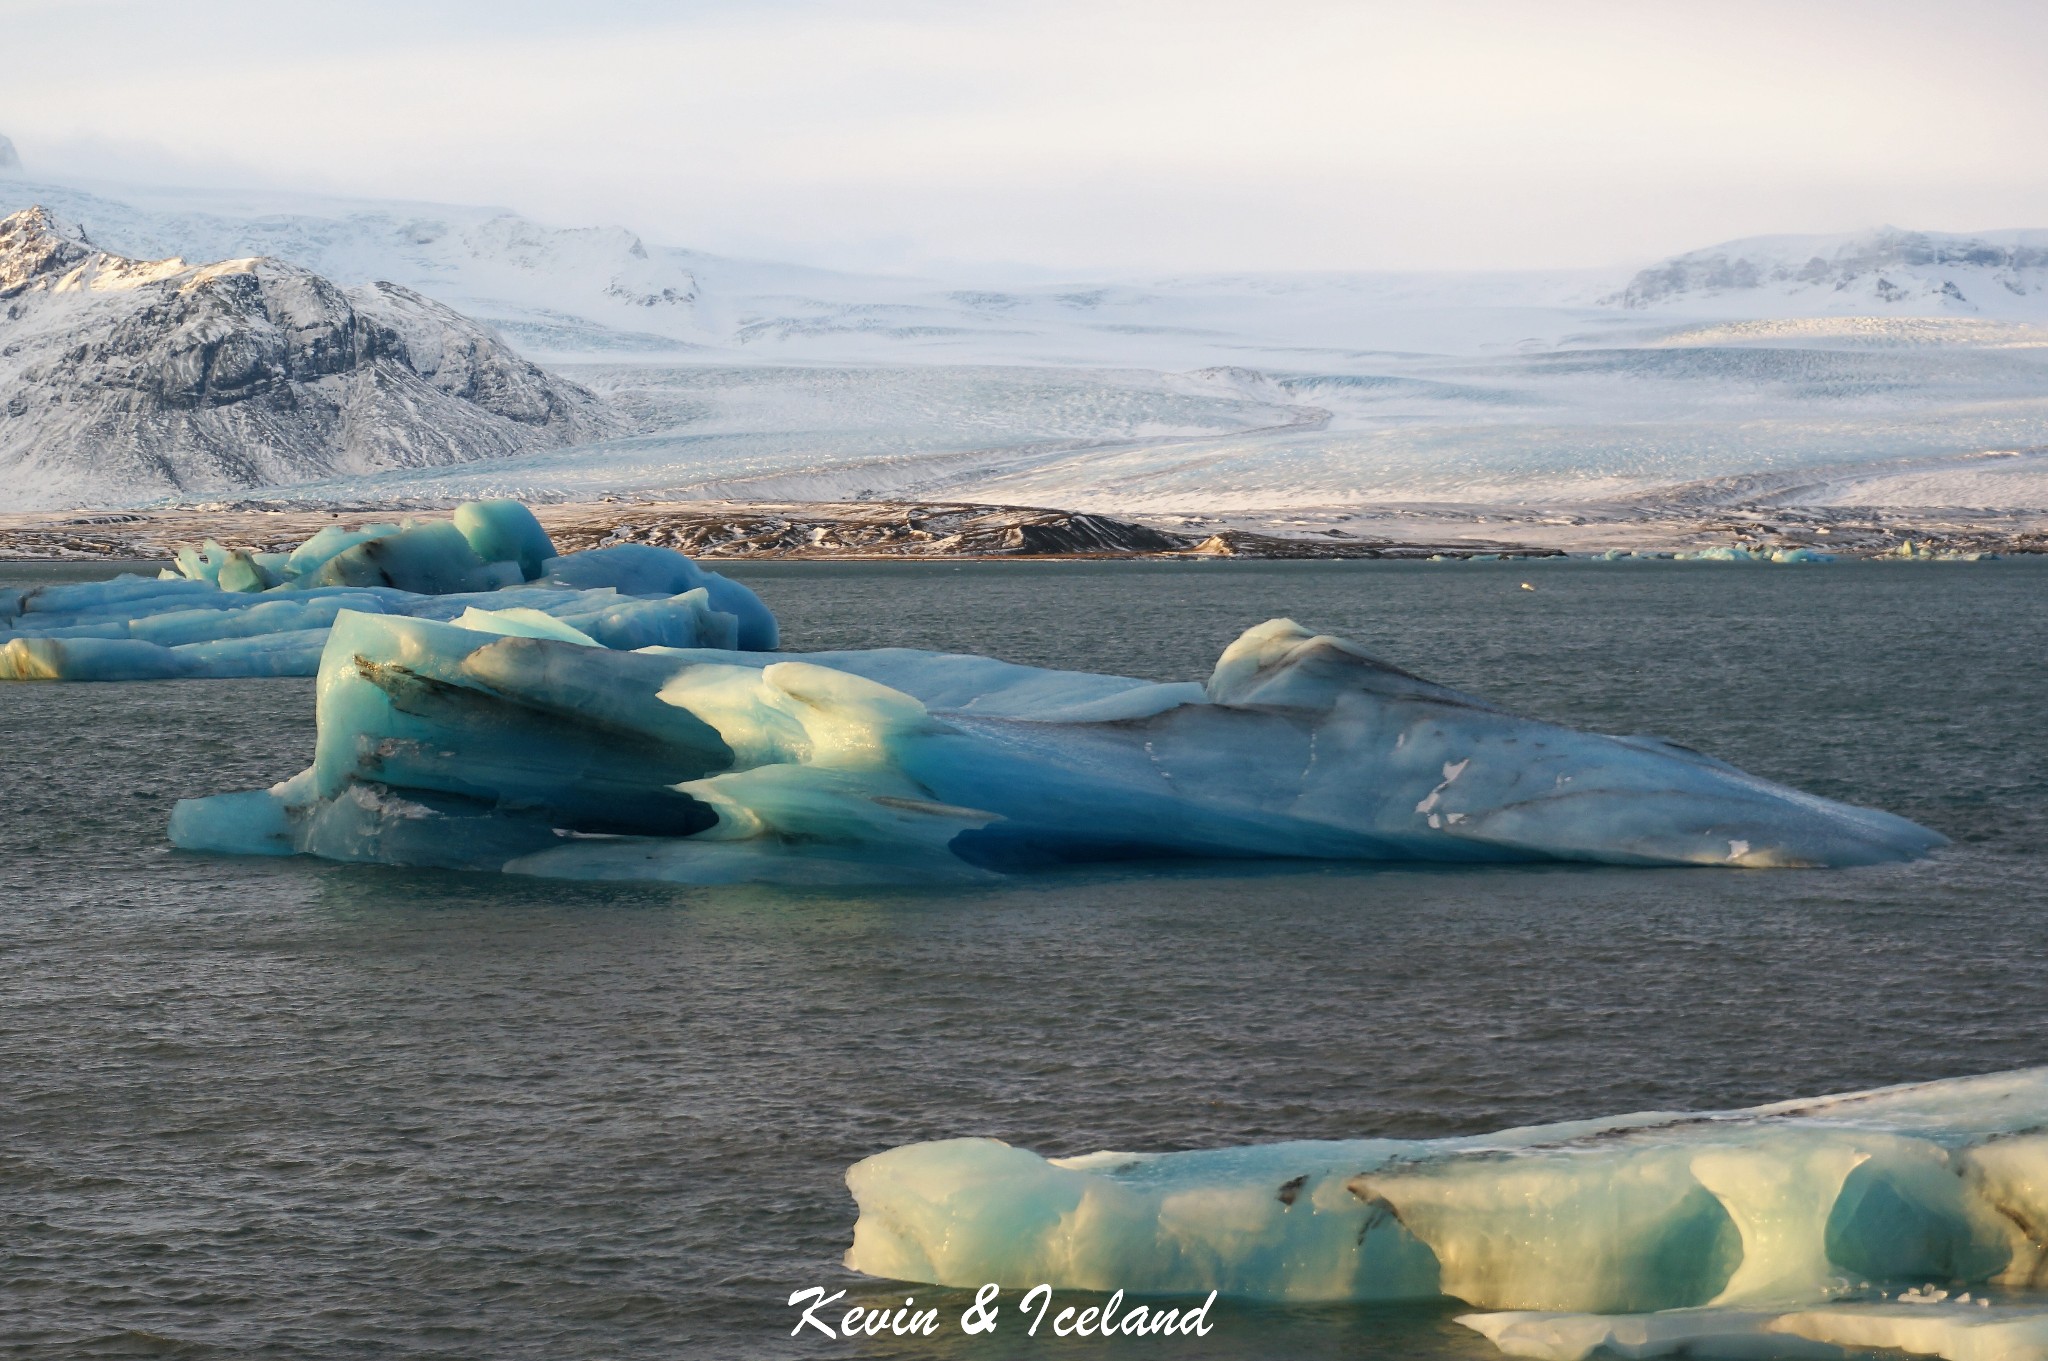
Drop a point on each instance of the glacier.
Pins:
(224, 612)
(499, 748)
(1860, 370)
(1806, 1227)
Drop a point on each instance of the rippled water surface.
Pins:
(283, 1108)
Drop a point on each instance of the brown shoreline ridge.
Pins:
(728, 530)
(918, 530)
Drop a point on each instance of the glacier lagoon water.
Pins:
(291, 1108)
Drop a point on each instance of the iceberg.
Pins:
(505, 744)
(225, 612)
(1840, 1222)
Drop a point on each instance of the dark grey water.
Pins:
(295, 1109)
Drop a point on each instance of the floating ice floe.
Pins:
(1726, 554)
(1785, 1230)
(1925, 551)
(1719, 554)
(458, 745)
(226, 612)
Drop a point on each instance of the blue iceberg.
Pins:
(226, 612)
(1809, 1227)
(476, 744)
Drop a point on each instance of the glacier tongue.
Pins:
(1734, 1219)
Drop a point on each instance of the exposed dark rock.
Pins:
(873, 528)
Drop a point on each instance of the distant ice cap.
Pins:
(10, 161)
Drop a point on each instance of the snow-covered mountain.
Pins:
(122, 377)
(1888, 272)
(594, 288)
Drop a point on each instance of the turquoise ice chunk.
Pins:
(505, 531)
(522, 623)
(272, 616)
(294, 653)
(305, 561)
(1690, 1224)
(430, 570)
(426, 559)
(241, 572)
(89, 659)
(644, 569)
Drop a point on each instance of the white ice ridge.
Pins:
(443, 745)
(1801, 1220)
(225, 612)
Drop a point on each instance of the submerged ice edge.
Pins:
(1732, 1219)
(1959, 1326)
(463, 747)
(228, 613)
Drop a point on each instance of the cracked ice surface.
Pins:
(445, 745)
(225, 612)
(1784, 1230)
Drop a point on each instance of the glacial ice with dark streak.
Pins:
(1804, 1228)
(226, 612)
(446, 745)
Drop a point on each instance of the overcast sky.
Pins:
(1128, 134)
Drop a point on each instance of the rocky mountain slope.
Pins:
(122, 376)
